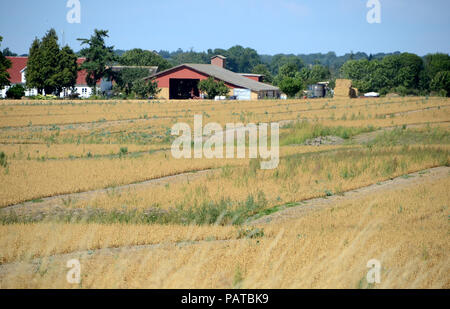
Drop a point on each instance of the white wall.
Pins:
(28, 92)
(3, 92)
(83, 92)
(31, 92)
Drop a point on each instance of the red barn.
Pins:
(181, 82)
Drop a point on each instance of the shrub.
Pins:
(250, 233)
(3, 159)
(16, 92)
(145, 89)
(123, 151)
(43, 97)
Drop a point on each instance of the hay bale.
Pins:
(353, 93)
(344, 90)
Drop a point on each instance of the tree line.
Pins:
(406, 74)
(403, 73)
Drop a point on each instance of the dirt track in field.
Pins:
(301, 209)
(45, 205)
(386, 187)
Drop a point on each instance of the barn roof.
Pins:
(223, 75)
(17, 66)
(118, 68)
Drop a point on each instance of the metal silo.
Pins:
(319, 90)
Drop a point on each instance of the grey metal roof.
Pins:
(118, 68)
(226, 76)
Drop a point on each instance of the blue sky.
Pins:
(269, 26)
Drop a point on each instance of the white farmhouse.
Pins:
(17, 76)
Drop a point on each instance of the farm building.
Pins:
(17, 74)
(181, 82)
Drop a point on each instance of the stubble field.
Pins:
(96, 181)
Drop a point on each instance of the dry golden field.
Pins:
(96, 181)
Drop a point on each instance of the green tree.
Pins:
(288, 70)
(139, 57)
(145, 89)
(126, 78)
(240, 59)
(390, 73)
(317, 73)
(179, 57)
(67, 69)
(49, 67)
(8, 53)
(402, 70)
(213, 88)
(435, 63)
(98, 57)
(356, 69)
(262, 69)
(291, 86)
(280, 60)
(33, 74)
(5, 64)
(441, 82)
(15, 92)
(49, 59)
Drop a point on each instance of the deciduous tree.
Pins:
(126, 77)
(145, 89)
(139, 57)
(441, 82)
(291, 86)
(262, 69)
(213, 88)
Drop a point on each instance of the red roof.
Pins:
(19, 63)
